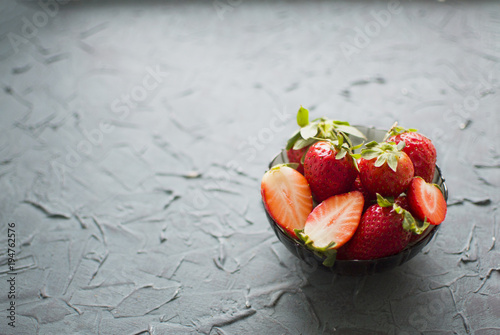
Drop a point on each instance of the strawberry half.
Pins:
(332, 223)
(426, 201)
(287, 197)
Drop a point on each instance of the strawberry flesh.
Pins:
(334, 220)
(426, 201)
(287, 197)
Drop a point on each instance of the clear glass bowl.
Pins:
(356, 267)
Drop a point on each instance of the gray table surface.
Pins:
(134, 134)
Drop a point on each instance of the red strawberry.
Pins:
(330, 170)
(385, 169)
(287, 197)
(332, 223)
(295, 156)
(314, 131)
(419, 148)
(369, 198)
(427, 202)
(380, 233)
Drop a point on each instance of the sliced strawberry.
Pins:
(426, 201)
(287, 197)
(333, 222)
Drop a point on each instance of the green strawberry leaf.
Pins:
(330, 257)
(341, 154)
(290, 165)
(392, 160)
(396, 130)
(410, 223)
(329, 254)
(371, 144)
(384, 202)
(350, 130)
(380, 160)
(302, 117)
(301, 143)
(401, 145)
(340, 123)
(292, 140)
(369, 154)
(309, 131)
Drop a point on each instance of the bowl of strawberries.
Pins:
(354, 200)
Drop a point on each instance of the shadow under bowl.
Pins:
(356, 267)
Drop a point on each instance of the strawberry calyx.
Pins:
(328, 253)
(409, 222)
(321, 129)
(290, 165)
(384, 152)
(396, 130)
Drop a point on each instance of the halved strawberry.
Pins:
(333, 222)
(426, 201)
(287, 197)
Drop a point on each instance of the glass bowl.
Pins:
(356, 267)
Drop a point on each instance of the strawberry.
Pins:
(287, 197)
(427, 202)
(329, 169)
(369, 198)
(385, 229)
(317, 130)
(332, 223)
(385, 169)
(419, 148)
(295, 156)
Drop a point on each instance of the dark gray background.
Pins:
(133, 136)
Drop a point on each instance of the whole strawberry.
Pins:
(385, 229)
(313, 131)
(419, 148)
(295, 156)
(329, 169)
(385, 169)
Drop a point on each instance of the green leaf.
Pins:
(341, 123)
(302, 117)
(381, 160)
(357, 146)
(301, 143)
(351, 131)
(309, 131)
(291, 141)
(384, 202)
(355, 161)
(330, 257)
(371, 144)
(290, 165)
(369, 154)
(393, 162)
(341, 154)
(356, 156)
(401, 145)
(410, 223)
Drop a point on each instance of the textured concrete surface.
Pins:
(133, 136)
